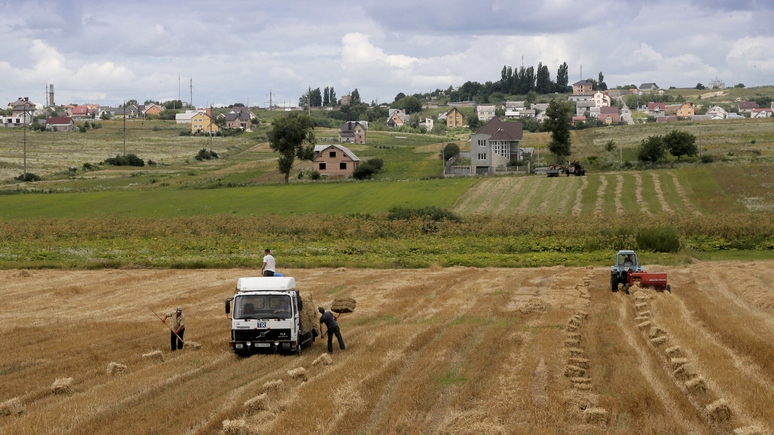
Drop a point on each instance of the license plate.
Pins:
(262, 344)
(261, 325)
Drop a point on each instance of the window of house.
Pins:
(332, 154)
(343, 166)
(482, 156)
(482, 142)
(322, 166)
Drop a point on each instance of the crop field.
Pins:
(439, 350)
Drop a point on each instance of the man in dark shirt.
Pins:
(332, 328)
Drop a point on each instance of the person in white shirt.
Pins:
(268, 267)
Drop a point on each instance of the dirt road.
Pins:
(457, 350)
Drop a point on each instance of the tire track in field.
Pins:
(498, 186)
(600, 196)
(638, 193)
(562, 207)
(464, 201)
(576, 209)
(619, 181)
(547, 196)
(514, 189)
(660, 193)
(683, 196)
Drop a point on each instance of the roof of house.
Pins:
(499, 130)
(349, 127)
(241, 114)
(652, 106)
(582, 83)
(648, 86)
(748, 105)
(59, 120)
(614, 110)
(318, 149)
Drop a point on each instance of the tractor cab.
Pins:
(626, 262)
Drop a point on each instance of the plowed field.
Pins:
(457, 350)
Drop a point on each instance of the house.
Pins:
(352, 132)
(716, 112)
(84, 111)
(646, 87)
(601, 99)
(21, 107)
(152, 109)
(764, 112)
(577, 119)
(494, 145)
(130, 111)
(427, 124)
(514, 105)
(582, 87)
(664, 119)
(580, 97)
(334, 161)
(581, 107)
(685, 110)
(346, 100)
(656, 109)
(512, 114)
(397, 117)
(454, 118)
(747, 106)
(203, 123)
(485, 112)
(238, 117)
(185, 117)
(609, 115)
(60, 123)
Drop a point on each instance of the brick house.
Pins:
(610, 115)
(582, 87)
(334, 161)
(454, 118)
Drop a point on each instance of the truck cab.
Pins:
(267, 317)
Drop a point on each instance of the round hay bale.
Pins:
(276, 384)
(115, 368)
(719, 411)
(298, 373)
(61, 385)
(257, 403)
(155, 356)
(323, 359)
(343, 305)
(12, 407)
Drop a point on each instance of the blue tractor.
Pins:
(626, 262)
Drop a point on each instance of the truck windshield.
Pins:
(262, 307)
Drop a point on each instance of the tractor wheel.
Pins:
(669, 288)
(613, 283)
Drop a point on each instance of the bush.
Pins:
(29, 176)
(127, 160)
(658, 239)
(314, 175)
(368, 169)
(652, 149)
(431, 213)
(89, 167)
(206, 155)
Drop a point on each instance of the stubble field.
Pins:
(440, 350)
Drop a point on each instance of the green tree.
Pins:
(558, 123)
(473, 122)
(652, 149)
(450, 150)
(602, 85)
(326, 97)
(292, 137)
(562, 77)
(739, 85)
(410, 104)
(699, 86)
(543, 79)
(681, 143)
(355, 97)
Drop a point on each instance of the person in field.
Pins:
(332, 328)
(177, 328)
(268, 267)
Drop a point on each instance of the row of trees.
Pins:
(317, 98)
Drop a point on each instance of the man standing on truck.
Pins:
(332, 328)
(177, 329)
(268, 264)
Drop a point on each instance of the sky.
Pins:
(108, 51)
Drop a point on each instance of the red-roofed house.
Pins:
(747, 106)
(610, 115)
(656, 109)
(761, 113)
(60, 123)
(494, 145)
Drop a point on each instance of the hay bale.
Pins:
(582, 314)
(719, 411)
(642, 306)
(276, 384)
(574, 336)
(571, 343)
(579, 362)
(310, 319)
(61, 385)
(678, 362)
(12, 407)
(571, 328)
(576, 351)
(658, 341)
(641, 319)
(193, 345)
(645, 313)
(571, 371)
(323, 360)
(534, 305)
(696, 385)
(298, 373)
(257, 403)
(674, 352)
(236, 427)
(749, 430)
(343, 305)
(644, 325)
(685, 372)
(574, 321)
(115, 368)
(595, 415)
(155, 356)
(657, 332)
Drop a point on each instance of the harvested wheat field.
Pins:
(451, 351)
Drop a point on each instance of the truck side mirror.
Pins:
(228, 306)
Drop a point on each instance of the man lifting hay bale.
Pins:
(332, 328)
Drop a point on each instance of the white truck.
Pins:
(267, 317)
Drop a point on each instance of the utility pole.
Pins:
(270, 102)
(24, 127)
(211, 118)
(178, 92)
(192, 106)
(124, 128)
(309, 102)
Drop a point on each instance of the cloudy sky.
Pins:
(107, 51)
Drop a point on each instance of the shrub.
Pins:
(431, 213)
(364, 171)
(29, 176)
(707, 158)
(89, 167)
(127, 160)
(652, 149)
(185, 133)
(151, 162)
(206, 155)
(314, 175)
(658, 239)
